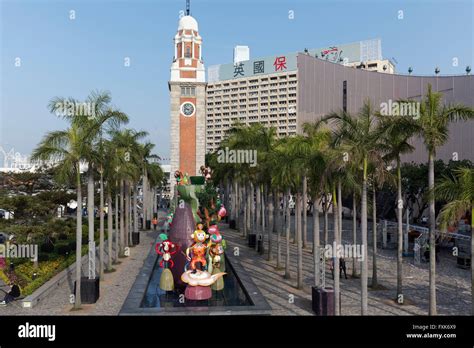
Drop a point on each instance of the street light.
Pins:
(410, 70)
(437, 70)
(468, 70)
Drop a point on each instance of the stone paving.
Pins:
(453, 283)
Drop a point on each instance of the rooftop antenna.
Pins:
(187, 7)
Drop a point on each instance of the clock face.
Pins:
(187, 109)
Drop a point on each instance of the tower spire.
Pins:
(187, 7)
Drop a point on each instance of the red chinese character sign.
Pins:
(280, 63)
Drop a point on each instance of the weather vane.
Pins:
(187, 7)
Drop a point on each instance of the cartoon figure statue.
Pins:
(197, 249)
(206, 172)
(167, 249)
(186, 179)
(216, 249)
(199, 280)
(222, 212)
(179, 177)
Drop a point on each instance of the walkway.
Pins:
(453, 284)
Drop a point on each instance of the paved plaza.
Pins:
(453, 283)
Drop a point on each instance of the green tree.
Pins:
(458, 191)
(433, 126)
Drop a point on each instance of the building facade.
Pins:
(287, 90)
(324, 87)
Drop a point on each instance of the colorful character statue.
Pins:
(179, 177)
(186, 180)
(206, 172)
(198, 249)
(199, 280)
(222, 211)
(216, 249)
(166, 248)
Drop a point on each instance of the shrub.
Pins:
(72, 245)
(62, 236)
(47, 247)
(63, 249)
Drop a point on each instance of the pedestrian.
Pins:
(154, 222)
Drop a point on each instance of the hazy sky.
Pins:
(71, 57)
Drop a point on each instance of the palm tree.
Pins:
(67, 149)
(395, 141)
(316, 164)
(458, 191)
(128, 167)
(433, 126)
(283, 178)
(361, 135)
(98, 118)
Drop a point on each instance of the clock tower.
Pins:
(187, 93)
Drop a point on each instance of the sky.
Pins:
(64, 57)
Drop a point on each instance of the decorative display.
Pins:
(197, 251)
(166, 248)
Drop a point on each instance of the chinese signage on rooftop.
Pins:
(354, 52)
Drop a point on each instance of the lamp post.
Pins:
(410, 70)
(468, 70)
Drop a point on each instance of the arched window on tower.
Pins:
(187, 52)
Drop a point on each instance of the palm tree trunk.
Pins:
(258, 207)
(127, 213)
(432, 310)
(316, 242)
(271, 222)
(155, 211)
(77, 295)
(109, 228)
(135, 212)
(249, 208)
(374, 238)
(400, 233)
(305, 212)
(337, 241)
(101, 226)
(339, 208)
(354, 233)
(122, 217)
(299, 239)
(117, 226)
(472, 256)
(90, 220)
(279, 228)
(263, 216)
(363, 227)
(235, 198)
(326, 219)
(144, 199)
(288, 226)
